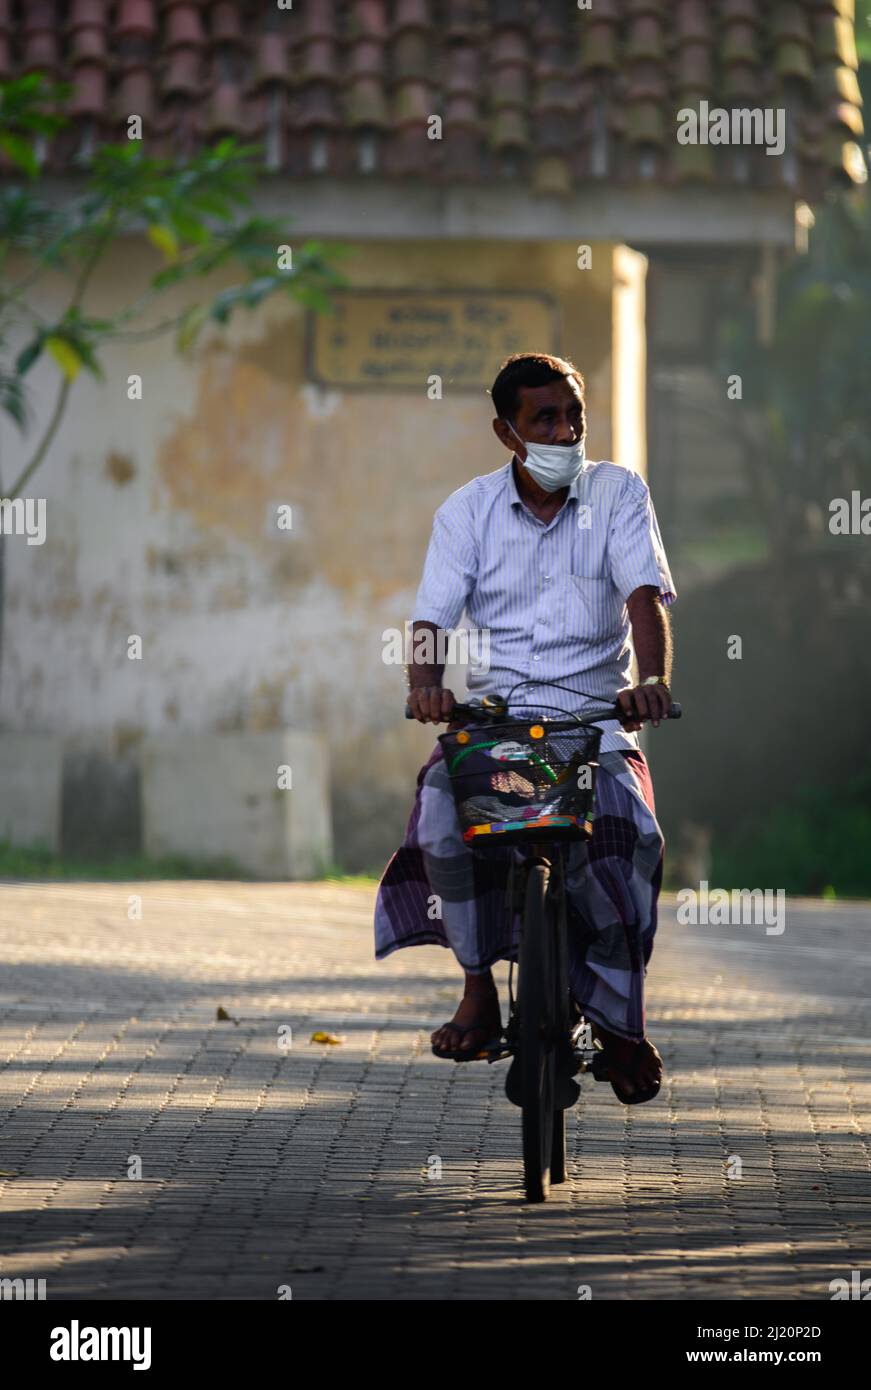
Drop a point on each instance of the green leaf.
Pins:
(13, 399)
(26, 358)
(165, 239)
(66, 356)
(190, 326)
(206, 201)
(188, 226)
(170, 275)
(258, 289)
(20, 151)
(225, 302)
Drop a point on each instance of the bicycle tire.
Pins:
(535, 1004)
(562, 1005)
(561, 1028)
(558, 1148)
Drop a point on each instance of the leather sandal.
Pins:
(470, 1054)
(604, 1063)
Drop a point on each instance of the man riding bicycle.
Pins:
(559, 561)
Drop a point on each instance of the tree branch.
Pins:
(60, 404)
(48, 436)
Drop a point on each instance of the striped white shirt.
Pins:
(550, 595)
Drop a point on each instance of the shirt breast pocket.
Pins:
(592, 607)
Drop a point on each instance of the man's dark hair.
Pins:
(528, 369)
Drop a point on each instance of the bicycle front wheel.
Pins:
(535, 1004)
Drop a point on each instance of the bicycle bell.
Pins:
(495, 704)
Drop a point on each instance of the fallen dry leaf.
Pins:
(322, 1037)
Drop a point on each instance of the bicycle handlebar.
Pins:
(477, 714)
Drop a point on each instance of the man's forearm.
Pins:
(421, 674)
(651, 634)
(428, 700)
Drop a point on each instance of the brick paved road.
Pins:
(308, 1167)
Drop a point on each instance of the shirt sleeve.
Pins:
(450, 568)
(635, 545)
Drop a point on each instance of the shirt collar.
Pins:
(574, 493)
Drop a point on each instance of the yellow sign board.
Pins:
(388, 339)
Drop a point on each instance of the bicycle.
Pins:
(540, 799)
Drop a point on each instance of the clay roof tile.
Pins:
(412, 55)
(184, 73)
(318, 20)
(509, 129)
(739, 10)
(738, 45)
(184, 27)
(225, 109)
(462, 19)
(509, 87)
(41, 51)
(694, 69)
(226, 23)
(693, 22)
(646, 39)
(599, 48)
(136, 17)
(465, 72)
(271, 59)
(364, 58)
(89, 90)
(366, 104)
(411, 14)
(792, 59)
(88, 45)
(369, 18)
(834, 38)
(317, 61)
(565, 93)
(508, 46)
(134, 95)
(88, 12)
(316, 107)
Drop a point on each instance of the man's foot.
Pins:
(477, 1020)
(635, 1067)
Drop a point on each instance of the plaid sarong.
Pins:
(436, 890)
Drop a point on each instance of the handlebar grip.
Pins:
(674, 711)
(459, 710)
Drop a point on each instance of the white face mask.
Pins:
(552, 465)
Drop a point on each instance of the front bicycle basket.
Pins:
(514, 782)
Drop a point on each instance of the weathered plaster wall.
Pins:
(159, 525)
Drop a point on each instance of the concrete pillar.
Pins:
(210, 796)
(31, 770)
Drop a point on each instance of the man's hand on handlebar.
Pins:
(647, 701)
(431, 704)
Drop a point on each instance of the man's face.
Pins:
(551, 414)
